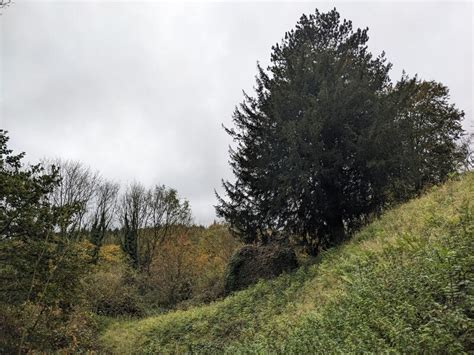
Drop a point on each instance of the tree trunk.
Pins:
(337, 231)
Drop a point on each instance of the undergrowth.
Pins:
(404, 283)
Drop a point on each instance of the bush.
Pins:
(112, 289)
(251, 263)
(189, 267)
(113, 293)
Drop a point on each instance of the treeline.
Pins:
(75, 247)
(142, 217)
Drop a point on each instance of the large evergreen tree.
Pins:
(310, 159)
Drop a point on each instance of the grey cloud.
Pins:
(139, 90)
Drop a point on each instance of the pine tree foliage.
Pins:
(326, 135)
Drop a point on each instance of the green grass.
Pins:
(404, 283)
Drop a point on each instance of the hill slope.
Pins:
(405, 282)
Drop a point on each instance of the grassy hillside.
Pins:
(405, 283)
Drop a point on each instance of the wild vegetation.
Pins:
(328, 144)
(404, 283)
(74, 250)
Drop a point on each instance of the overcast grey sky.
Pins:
(139, 90)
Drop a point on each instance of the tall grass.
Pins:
(404, 283)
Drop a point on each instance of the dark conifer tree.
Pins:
(309, 159)
(426, 137)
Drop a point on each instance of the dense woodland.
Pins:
(327, 143)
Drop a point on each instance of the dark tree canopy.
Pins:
(327, 135)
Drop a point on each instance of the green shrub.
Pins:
(112, 289)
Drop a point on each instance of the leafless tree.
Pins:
(167, 212)
(77, 189)
(147, 217)
(4, 4)
(102, 214)
(133, 215)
